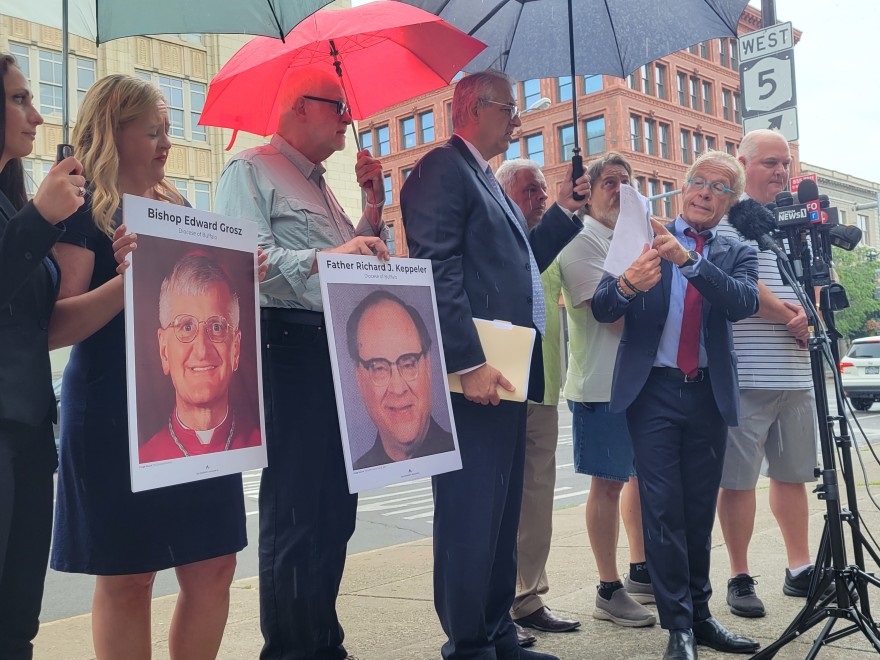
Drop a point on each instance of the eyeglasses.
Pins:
(715, 186)
(379, 369)
(507, 108)
(186, 327)
(341, 106)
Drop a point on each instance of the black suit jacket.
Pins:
(27, 296)
(453, 216)
(728, 282)
(437, 441)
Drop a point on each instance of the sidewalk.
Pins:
(386, 608)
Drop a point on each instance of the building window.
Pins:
(51, 96)
(640, 185)
(695, 91)
(389, 198)
(22, 57)
(635, 133)
(668, 204)
(704, 50)
(681, 81)
(660, 80)
(513, 150)
(180, 184)
(647, 81)
(664, 140)
(726, 110)
(383, 141)
(633, 81)
(535, 148)
(563, 88)
(426, 126)
(724, 52)
(710, 143)
(28, 165)
(85, 77)
(595, 131)
(698, 144)
(737, 112)
(172, 90)
(653, 191)
(707, 97)
(366, 140)
(197, 93)
(203, 196)
(449, 128)
(390, 242)
(531, 92)
(405, 172)
(862, 222)
(685, 147)
(730, 148)
(566, 142)
(408, 133)
(694, 49)
(650, 137)
(734, 55)
(592, 84)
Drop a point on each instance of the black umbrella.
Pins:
(615, 37)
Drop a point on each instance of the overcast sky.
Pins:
(838, 82)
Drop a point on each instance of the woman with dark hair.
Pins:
(29, 280)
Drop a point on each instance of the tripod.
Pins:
(850, 600)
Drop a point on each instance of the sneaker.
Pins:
(623, 610)
(800, 585)
(741, 597)
(641, 592)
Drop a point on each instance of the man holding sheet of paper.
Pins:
(486, 265)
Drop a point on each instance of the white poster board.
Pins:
(195, 404)
(389, 373)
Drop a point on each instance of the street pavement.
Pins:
(385, 601)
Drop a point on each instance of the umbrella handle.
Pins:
(577, 171)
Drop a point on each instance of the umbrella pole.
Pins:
(65, 53)
(577, 162)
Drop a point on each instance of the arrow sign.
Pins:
(775, 123)
(784, 121)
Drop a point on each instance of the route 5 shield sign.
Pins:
(768, 83)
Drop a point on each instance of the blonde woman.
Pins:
(101, 527)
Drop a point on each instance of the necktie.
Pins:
(688, 359)
(539, 314)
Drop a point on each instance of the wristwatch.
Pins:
(693, 257)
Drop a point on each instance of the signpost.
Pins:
(767, 81)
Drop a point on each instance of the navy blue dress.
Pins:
(101, 527)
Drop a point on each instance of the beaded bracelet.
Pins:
(628, 296)
(630, 284)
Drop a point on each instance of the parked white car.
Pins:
(860, 372)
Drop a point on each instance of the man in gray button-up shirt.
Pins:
(306, 512)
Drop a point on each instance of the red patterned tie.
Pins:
(688, 359)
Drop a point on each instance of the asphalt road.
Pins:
(386, 516)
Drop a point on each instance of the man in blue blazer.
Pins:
(486, 265)
(675, 378)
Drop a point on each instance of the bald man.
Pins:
(306, 512)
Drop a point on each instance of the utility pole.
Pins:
(768, 13)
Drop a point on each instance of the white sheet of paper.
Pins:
(632, 231)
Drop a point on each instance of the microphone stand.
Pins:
(849, 602)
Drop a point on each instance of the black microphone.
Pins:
(755, 223)
(784, 199)
(845, 236)
(807, 191)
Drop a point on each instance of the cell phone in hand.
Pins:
(63, 151)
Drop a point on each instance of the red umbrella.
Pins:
(385, 52)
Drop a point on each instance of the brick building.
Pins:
(660, 117)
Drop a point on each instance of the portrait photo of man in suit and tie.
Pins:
(676, 380)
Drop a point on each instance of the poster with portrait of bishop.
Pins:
(195, 404)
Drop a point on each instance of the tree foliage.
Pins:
(857, 272)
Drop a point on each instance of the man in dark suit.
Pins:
(676, 379)
(486, 265)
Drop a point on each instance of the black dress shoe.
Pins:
(543, 619)
(712, 634)
(523, 637)
(681, 646)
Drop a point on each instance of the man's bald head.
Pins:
(767, 160)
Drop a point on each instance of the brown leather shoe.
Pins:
(544, 620)
(523, 637)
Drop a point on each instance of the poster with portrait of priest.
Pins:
(192, 342)
(388, 369)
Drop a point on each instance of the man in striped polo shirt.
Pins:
(777, 404)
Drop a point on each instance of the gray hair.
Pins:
(470, 89)
(510, 169)
(726, 162)
(193, 276)
(596, 166)
(748, 146)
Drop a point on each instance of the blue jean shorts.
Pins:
(602, 446)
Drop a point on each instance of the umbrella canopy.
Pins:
(385, 53)
(527, 38)
(112, 19)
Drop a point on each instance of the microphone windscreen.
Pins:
(824, 202)
(807, 191)
(784, 199)
(751, 219)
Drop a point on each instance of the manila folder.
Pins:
(508, 348)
